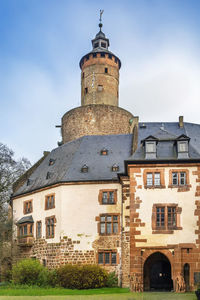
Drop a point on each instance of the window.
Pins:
(25, 230)
(103, 44)
(166, 217)
(49, 201)
(109, 224)
(153, 179)
(107, 196)
(83, 75)
(106, 70)
(110, 56)
(39, 229)
(86, 90)
(51, 161)
(96, 45)
(84, 169)
(50, 227)
(178, 178)
(28, 207)
(100, 88)
(102, 54)
(115, 168)
(94, 55)
(104, 151)
(107, 257)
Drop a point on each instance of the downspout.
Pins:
(121, 236)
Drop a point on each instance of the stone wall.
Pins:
(95, 120)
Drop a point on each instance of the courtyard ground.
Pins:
(124, 296)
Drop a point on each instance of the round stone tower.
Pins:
(99, 113)
(100, 74)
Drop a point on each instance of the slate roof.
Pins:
(69, 158)
(27, 219)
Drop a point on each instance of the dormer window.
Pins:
(51, 161)
(84, 168)
(115, 168)
(28, 182)
(183, 146)
(49, 175)
(150, 147)
(104, 151)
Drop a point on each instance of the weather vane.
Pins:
(101, 13)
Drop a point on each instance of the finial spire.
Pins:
(100, 19)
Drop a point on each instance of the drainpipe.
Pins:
(121, 236)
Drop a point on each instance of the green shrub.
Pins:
(112, 280)
(30, 272)
(81, 277)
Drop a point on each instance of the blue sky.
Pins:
(42, 42)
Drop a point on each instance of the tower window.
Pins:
(103, 45)
(96, 45)
(102, 54)
(94, 55)
(115, 59)
(86, 90)
(100, 88)
(83, 75)
(106, 70)
(110, 56)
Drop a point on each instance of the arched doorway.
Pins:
(186, 273)
(157, 273)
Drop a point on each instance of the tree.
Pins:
(10, 171)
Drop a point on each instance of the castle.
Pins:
(116, 192)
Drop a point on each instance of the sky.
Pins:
(42, 42)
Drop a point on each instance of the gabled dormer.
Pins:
(149, 144)
(182, 143)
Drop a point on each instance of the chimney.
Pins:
(181, 124)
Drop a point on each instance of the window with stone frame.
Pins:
(39, 229)
(179, 178)
(166, 217)
(109, 224)
(108, 196)
(107, 257)
(50, 226)
(49, 201)
(154, 178)
(28, 207)
(25, 230)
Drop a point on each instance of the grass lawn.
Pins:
(34, 293)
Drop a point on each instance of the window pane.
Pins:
(109, 218)
(113, 258)
(149, 179)
(150, 147)
(102, 219)
(174, 178)
(21, 231)
(157, 179)
(115, 218)
(111, 197)
(183, 147)
(160, 216)
(39, 229)
(102, 228)
(115, 227)
(25, 229)
(171, 216)
(182, 178)
(109, 228)
(105, 198)
(107, 258)
(52, 201)
(31, 229)
(100, 258)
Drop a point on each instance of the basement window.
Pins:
(84, 168)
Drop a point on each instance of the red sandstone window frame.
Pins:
(28, 207)
(109, 221)
(38, 236)
(49, 204)
(50, 227)
(107, 257)
(154, 172)
(179, 184)
(166, 214)
(110, 200)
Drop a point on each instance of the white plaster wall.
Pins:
(76, 207)
(185, 200)
(80, 206)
